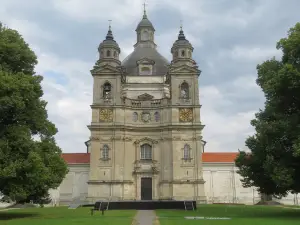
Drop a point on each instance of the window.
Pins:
(107, 90)
(146, 151)
(101, 54)
(145, 70)
(145, 36)
(135, 116)
(189, 54)
(184, 90)
(108, 53)
(156, 116)
(105, 151)
(182, 53)
(186, 152)
(115, 54)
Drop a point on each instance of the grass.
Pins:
(240, 215)
(64, 216)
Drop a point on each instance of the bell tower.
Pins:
(187, 137)
(106, 85)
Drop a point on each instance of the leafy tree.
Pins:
(273, 166)
(28, 167)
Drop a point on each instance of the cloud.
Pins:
(229, 37)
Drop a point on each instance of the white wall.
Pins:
(74, 187)
(222, 185)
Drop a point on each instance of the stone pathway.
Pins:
(145, 217)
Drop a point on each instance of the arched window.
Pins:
(107, 90)
(182, 53)
(176, 54)
(101, 54)
(115, 54)
(156, 116)
(146, 152)
(184, 90)
(108, 53)
(186, 151)
(135, 116)
(145, 35)
(105, 152)
(145, 70)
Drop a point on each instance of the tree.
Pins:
(273, 166)
(28, 167)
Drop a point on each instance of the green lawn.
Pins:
(240, 215)
(64, 216)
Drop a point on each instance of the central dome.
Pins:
(145, 48)
(160, 66)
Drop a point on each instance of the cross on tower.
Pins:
(181, 24)
(109, 23)
(144, 7)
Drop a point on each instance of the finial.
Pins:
(181, 34)
(180, 24)
(109, 35)
(109, 24)
(145, 15)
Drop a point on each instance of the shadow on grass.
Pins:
(15, 215)
(275, 215)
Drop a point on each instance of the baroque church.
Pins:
(146, 133)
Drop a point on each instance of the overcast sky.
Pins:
(230, 37)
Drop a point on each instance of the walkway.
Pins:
(145, 217)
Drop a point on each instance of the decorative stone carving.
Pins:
(127, 139)
(106, 115)
(94, 138)
(176, 138)
(166, 92)
(186, 115)
(145, 96)
(148, 140)
(146, 117)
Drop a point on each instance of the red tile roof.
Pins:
(219, 157)
(76, 158)
(207, 157)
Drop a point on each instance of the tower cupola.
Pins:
(109, 49)
(182, 49)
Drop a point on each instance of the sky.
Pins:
(230, 38)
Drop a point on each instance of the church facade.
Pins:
(146, 133)
(146, 140)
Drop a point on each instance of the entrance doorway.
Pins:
(146, 188)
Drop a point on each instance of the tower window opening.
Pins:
(182, 53)
(107, 91)
(184, 90)
(108, 53)
(145, 36)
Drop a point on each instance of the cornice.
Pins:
(156, 128)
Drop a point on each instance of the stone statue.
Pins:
(184, 93)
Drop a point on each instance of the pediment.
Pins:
(145, 61)
(146, 140)
(105, 69)
(184, 69)
(145, 96)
